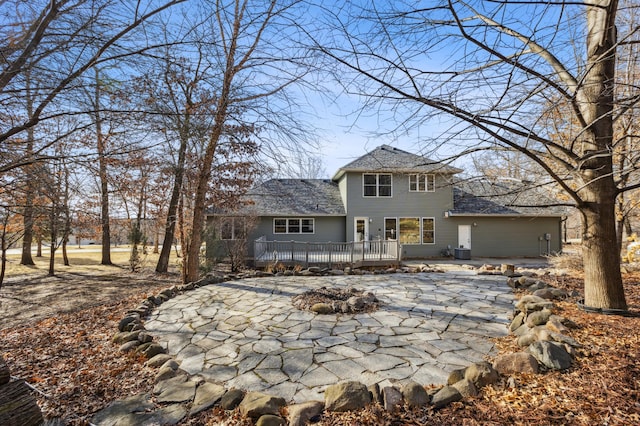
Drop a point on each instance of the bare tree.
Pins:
(253, 45)
(176, 96)
(52, 37)
(497, 68)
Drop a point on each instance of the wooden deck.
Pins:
(353, 254)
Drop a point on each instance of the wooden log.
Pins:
(5, 377)
(18, 407)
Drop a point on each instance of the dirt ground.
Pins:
(29, 298)
(28, 294)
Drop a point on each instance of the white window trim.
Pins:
(233, 220)
(424, 177)
(377, 175)
(419, 229)
(287, 219)
(395, 230)
(421, 221)
(422, 230)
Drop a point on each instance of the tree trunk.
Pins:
(3, 260)
(18, 407)
(602, 278)
(192, 258)
(170, 227)
(39, 249)
(27, 214)
(67, 217)
(27, 238)
(54, 237)
(620, 219)
(102, 173)
(5, 377)
(627, 226)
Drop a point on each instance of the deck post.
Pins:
(330, 250)
(306, 257)
(351, 245)
(293, 247)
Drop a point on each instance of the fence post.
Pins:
(330, 250)
(306, 257)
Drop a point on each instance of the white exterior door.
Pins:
(361, 229)
(464, 236)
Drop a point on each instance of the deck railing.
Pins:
(360, 253)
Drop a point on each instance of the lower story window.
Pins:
(410, 230)
(428, 230)
(293, 226)
(232, 228)
(390, 228)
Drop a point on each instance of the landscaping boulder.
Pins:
(271, 420)
(526, 339)
(391, 398)
(481, 374)
(530, 303)
(445, 396)
(321, 308)
(519, 362)
(346, 396)
(125, 336)
(231, 399)
(556, 324)
(152, 350)
(550, 354)
(545, 293)
(129, 346)
(301, 414)
(127, 322)
(376, 395)
(455, 376)
(538, 318)
(466, 388)
(158, 360)
(517, 321)
(415, 395)
(256, 404)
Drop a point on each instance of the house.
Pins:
(390, 195)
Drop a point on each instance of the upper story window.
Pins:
(376, 185)
(422, 183)
(293, 226)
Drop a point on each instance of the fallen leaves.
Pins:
(70, 358)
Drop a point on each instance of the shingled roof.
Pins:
(386, 158)
(503, 197)
(294, 197)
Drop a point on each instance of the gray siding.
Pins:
(327, 228)
(511, 236)
(402, 203)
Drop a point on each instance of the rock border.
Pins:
(178, 395)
